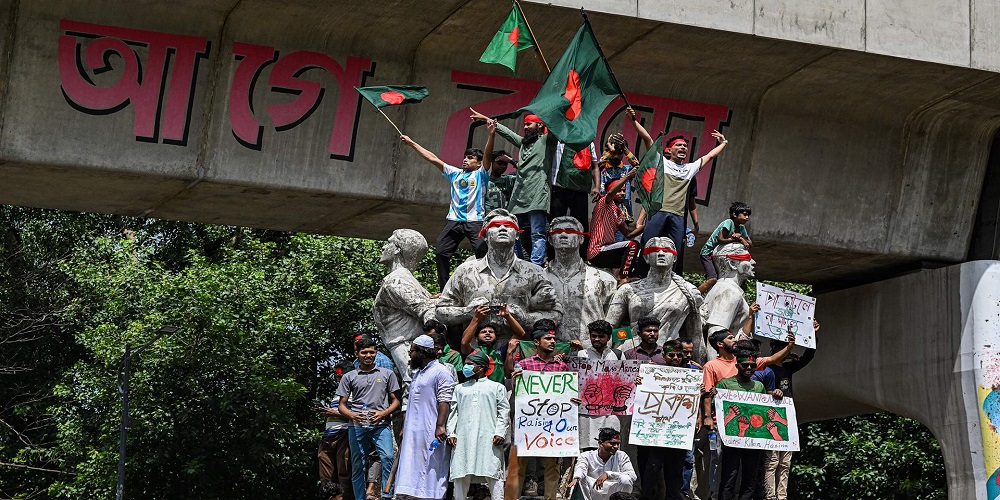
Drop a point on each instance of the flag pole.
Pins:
(600, 51)
(538, 50)
(387, 118)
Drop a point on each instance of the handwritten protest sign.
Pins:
(757, 421)
(545, 420)
(780, 309)
(666, 407)
(607, 386)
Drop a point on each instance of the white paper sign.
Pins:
(756, 421)
(545, 418)
(666, 407)
(780, 309)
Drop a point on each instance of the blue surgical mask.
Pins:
(469, 371)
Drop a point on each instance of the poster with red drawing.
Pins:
(607, 386)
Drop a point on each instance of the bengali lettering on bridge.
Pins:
(105, 69)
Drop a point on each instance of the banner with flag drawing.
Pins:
(512, 37)
(576, 92)
(756, 420)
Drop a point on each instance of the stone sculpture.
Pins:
(662, 294)
(583, 291)
(725, 307)
(402, 305)
(499, 278)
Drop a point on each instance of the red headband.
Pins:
(737, 256)
(532, 119)
(675, 141)
(649, 250)
(567, 231)
(499, 223)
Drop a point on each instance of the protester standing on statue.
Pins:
(531, 197)
(368, 396)
(575, 175)
(677, 174)
(465, 213)
(778, 463)
(501, 184)
(661, 469)
(422, 471)
(478, 423)
(605, 471)
(605, 250)
(616, 162)
(731, 230)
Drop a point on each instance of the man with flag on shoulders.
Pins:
(663, 189)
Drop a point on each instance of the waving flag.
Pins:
(576, 92)
(391, 95)
(649, 178)
(512, 37)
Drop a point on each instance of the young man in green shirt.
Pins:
(737, 462)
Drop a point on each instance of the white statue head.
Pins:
(565, 232)
(406, 247)
(732, 260)
(660, 252)
(500, 228)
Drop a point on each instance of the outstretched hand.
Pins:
(478, 117)
(718, 136)
(406, 140)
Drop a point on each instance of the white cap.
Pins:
(424, 341)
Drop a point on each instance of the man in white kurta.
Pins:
(584, 292)
(605, 471)
(423, 473)
(477, 428)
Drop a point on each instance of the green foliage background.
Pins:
(223, 407)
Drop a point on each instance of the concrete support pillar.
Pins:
(925, 346)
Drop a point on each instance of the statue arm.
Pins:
(543, 304)
(617, 313)
(451, 306)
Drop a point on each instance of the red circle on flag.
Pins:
(756, 420)
(392, 97)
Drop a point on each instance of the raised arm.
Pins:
(595, 173)
(780, 356)
(646, 139)
(470, 331)
(620, 182)
(516, 330)
(491, 126)
(717, 149)
(505, 132)
(424, 153)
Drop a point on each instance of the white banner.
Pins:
(781, 309)
(545, 418)
(666, 407)
(757, 421)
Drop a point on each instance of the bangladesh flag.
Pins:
(622, 334)
(649, 178)
(391, 95)
(576, 92)
(512, 37)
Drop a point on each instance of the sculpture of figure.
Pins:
(725, 307)
(583, 291)
(663, 295)
(499, 278)
(402, 305)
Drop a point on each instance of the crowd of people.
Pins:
(432, 419)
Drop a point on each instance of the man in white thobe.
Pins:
(605, 471)
(477, 428)
(422, 471)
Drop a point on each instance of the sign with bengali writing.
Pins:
(783, 309)
(757, 421)
(607, 386)
(666, 407)
(545, 417)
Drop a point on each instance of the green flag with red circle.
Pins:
(512, 37)
(649, 180)
(576, 92)
(391, 95)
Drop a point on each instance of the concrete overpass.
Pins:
(863, 132)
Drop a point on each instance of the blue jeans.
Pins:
(362, 439)
(668, 225)
(688, 471)
(534, 223)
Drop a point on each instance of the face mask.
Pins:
(469, 371)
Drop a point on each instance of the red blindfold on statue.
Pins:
(499, 223)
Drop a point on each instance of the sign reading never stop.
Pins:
(545, 417)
